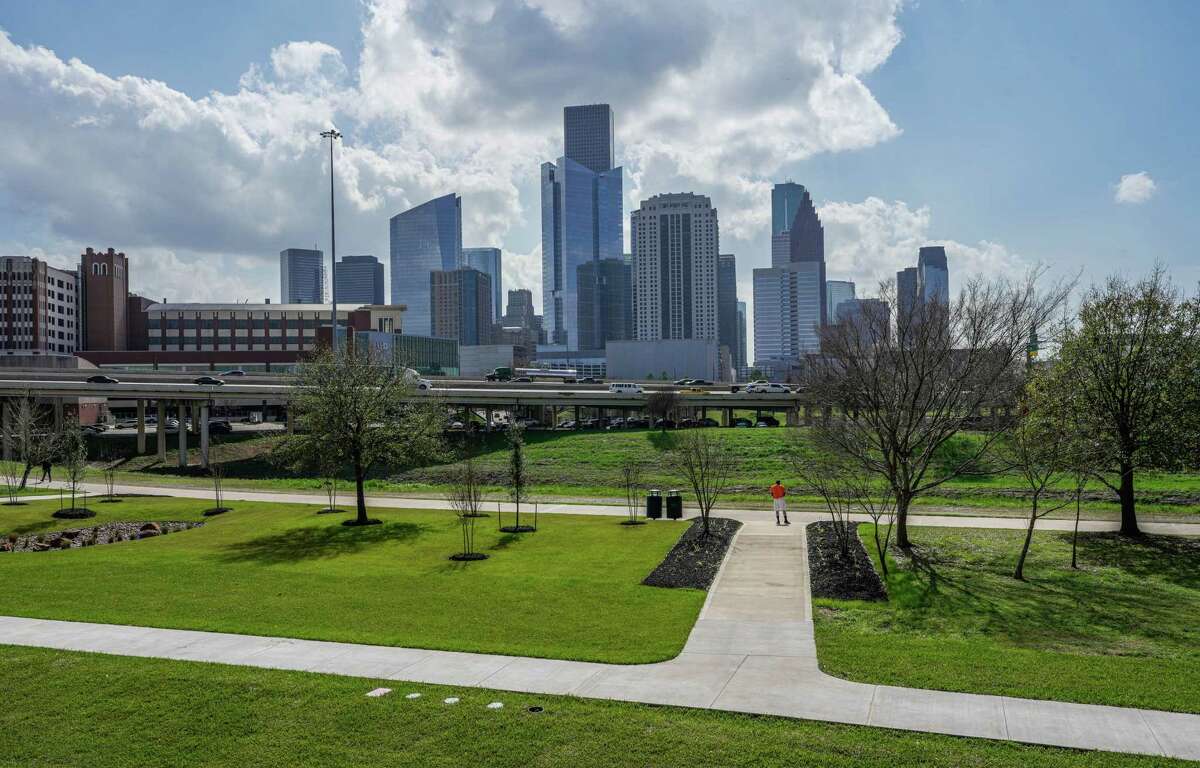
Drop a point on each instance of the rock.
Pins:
(39, 546)
(151, 527)
(70, 534)
(146, 533)
(64, 543)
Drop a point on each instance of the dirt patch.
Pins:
(695, 559)
(837, 577)
(108, 533)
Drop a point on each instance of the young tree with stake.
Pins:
(708, 466)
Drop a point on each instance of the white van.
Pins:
(625, 389)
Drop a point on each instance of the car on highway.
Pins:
(233, 372)
(589, 380)
(693, 391)
(210, 381)
(763, 388)
(523, 380)
(681, 382)
(625, 388)
(102, 379)
(414, 377)
(698, 383)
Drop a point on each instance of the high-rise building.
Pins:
(870, 316)
(786, 199)
(358, 280)
(740, 362)
(836, 291)
(103, 293)
(302, 276)
(933, 275)
(460, 302)
(588, 136)
(906, 293)
(675, 245)
(787, 312)
(605, 302)
(581, 216)
(727, 306)
(423, 240)
(39, 307)
(520, 308)
(487, 261)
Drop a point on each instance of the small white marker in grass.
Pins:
(496, 705)
(450, 700)
(375, 694)
(413, 696)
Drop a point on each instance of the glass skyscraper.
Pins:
(424, 239)
(605, 302)
(301, 276)
(358, 280)
(836, 291)
(786, 199)
(588, 136)
(727, 306)
(933, 274)
(488, 261)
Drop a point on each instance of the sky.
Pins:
(1018, 134)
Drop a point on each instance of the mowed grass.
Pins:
(64, 708)
(571, 590)
(1123, 630)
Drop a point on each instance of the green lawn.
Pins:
(585, 466)
(572, 590)
(66, 708)
(1122, 630)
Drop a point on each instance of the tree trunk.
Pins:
(1019, 573)
(880, 551)
(902, 523)
(362, 499)
(25, 475)
(1129, 525)
(1075, 534)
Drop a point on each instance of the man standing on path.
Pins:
(778, 492)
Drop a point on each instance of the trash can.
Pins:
(654, 504)
(674, 505)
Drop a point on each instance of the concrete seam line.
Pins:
(1004, 716)
(1153, 735)
(727, 682)
(871, 706)
(497, 671)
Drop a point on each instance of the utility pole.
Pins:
(332, 134)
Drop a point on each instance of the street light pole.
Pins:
(332, 134)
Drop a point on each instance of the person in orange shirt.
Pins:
(778, 492)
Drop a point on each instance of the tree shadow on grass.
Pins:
(316, 542)
(663, 441)
(506, 541)
(1173, 558)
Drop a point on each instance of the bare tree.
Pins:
(12, 482)
(466, 497)
(876, 499)
(833, 481)
(30, 436)
(661, 404)
(361, 410)
(708, 465)
(72, 451)
(216, 473)
(904, 392)
(1132, 361)
(518, 477)
(631, 481)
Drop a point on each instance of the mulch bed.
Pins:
(835, 577)
(695, 559)
(108, 533)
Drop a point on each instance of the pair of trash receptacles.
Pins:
(654, 505)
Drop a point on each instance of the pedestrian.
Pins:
(46, 467)
(778, 492)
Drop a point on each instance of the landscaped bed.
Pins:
(696, 558)
(571, 590)
(1121, 630)
(108, 533)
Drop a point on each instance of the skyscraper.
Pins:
(301, 276)
(836, 291)
(727, 306)
(588, 136)
(358, 280)
(786, 199)
(423, 239)
(933, 274)
(740, 362)
(487, 261)
(906, 294)
(870, 316)
(675, 244)
(581, 216)
(460, 303)
(605, 303)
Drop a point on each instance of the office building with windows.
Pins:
(790, 298)
(836, 291)
(188, 327)
(103, 297)
(39, 307)
(488, 261)
(739, 362)
(588, 136)
(933, 275)
(727, 306)
(605, 289)
(786, 199)
(358, 280)
(870, 316)
(460, 303)
(423, 240)
(302, 276)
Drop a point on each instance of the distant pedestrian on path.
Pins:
(778, 492)
(46, 466)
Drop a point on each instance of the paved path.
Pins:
(751, 650)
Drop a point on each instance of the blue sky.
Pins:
(1001, 129)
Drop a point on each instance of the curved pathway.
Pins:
(751, 650)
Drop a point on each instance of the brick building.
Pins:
(103, 293)
(39, 307)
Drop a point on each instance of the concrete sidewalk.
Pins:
(751, 650)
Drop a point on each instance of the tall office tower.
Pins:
(460, 302)
(836, 291)
(870, 316)
(581, 216)
(787, 311)
(675, 245)
(781, 248)
(424, 239)
(786, 199)
(906, 294)
(358, 280)
(740, 362)
(301, 276)
(103, 292)
(38, 307)
(487, 261)
(520, 308)
(588, 136)
(933, 275)
(727, 306)
(605, 302)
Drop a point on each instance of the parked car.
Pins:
(233, 372)
(625, 388)
(709, 422)
(591, 423)
(766, 388)
(664, 424)
(568, 424)
(637, 423)
(209, 381)
(219, 427)
(91, 429)
(616, 423)
(102, 379)
(132, 423)
(528, 423)
(742, 422)
(767, 421)
(689, 423)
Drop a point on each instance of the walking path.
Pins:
(751, 650)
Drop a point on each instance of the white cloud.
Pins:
(1134, 188)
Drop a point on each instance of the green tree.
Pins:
(355, 409)
(518, 476)
(1133, 363)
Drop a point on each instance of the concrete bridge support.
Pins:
(182, 435)
(58, 414)
(141, 427)
(160, 431)
(202, 428)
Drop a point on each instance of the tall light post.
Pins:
(332, 134)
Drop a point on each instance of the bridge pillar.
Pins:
(291, 424)
(160, 431)
(577, 413)
(808, 415)
(182, 435)
(793, 417)
(58, 414)
(488, 416)
(202, 428)
(729, 417)
(141, 427)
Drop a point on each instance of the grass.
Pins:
(572, 590)
(1122, 630)
(64, 708)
